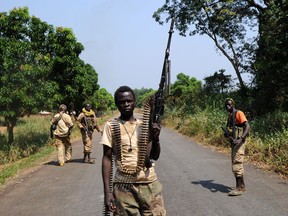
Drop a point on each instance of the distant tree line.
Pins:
(40, 68)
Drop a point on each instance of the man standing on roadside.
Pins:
(87, 122)
(62, 123)
(135, 185)
(237, 131)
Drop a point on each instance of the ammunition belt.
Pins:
(130, 175)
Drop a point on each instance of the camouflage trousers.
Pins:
(87, 141)
(64, 149)
(237, 157)
(145, 199)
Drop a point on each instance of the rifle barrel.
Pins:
(165, 78)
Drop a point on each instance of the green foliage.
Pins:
(12, 169)
(265, 145)
(271, 74)
(103, 101)
(40, 68)
(24, 69)
(141, 95)
(270, 124)
(252, 35)
(218, 83)
(32, 134)
(185, 94)
(224, 22)
(268, 138)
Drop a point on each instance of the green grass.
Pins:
(11, 169)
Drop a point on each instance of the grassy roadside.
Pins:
(32, 147)
(12, 169)
(267, 152)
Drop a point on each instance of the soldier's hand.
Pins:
(110, 203)
(237, 141)
(156, 128)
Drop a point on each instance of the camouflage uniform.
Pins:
(87, 122)
(63, 124)
(147, 197)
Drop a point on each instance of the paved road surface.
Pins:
(195, 179)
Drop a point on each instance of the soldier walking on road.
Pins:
(237, 131)
(87, 122)
(135, 185)
(61, 125)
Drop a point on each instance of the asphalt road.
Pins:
(195, 179)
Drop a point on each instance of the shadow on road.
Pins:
(213, 187)
(55, 163)
(52, 163)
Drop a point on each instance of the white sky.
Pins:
(124, 43)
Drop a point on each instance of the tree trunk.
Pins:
(10, 129)
(241, 83)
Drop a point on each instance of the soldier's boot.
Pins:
(90, 160)
(236, 191)
(242, 185)
(85, 160)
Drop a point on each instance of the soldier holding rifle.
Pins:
(135, 185)
(133, 144)
(87, 122)
(237, 131)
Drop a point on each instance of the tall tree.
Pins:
(185, 93)
(271, 66)
(218, 83)
(225, 22)
(40, 67)
(23, 69)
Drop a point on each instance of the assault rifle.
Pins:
(164, 81)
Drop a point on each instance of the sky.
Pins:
(123, 42)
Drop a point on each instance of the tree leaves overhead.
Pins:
(224, 22)
(271, 66)
(40, 67)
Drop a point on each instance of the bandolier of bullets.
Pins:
(130, 175)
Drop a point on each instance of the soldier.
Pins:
(87, 122)
(237, 131)
(62, 123)
(135, 185)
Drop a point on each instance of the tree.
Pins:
(225, 22)
(67, 67)
(271, 66)
(185, 93)
(218, 83)
(23, 70)
(40, 68)
(141, 95)
(103, 101)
